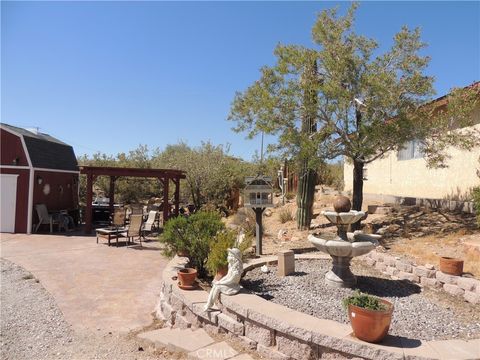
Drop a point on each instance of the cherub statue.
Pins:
(230, 283)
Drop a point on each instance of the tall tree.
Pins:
(284, 102)
(368, 103)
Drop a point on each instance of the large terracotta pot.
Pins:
(221, 272)
(370, 325)
(186, 278)
(451, 266)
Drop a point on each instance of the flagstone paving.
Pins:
(97, 287)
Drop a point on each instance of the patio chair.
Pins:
(119, 217)
(134, 228)
(44, 218)
(150, 224)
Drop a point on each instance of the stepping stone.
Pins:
(181, 340)
(217, 351)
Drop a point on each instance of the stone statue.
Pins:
(230, 283)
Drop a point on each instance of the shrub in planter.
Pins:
(192, 235)
(476, 202)
(370, 316)
(217, 264)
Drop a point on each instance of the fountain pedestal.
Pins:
(343, 247)
(340, 276)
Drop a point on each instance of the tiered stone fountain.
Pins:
(345, 245)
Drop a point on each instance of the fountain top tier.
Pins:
(343, 218)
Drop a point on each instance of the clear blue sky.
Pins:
(108, 76)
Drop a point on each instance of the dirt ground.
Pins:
(419, 234)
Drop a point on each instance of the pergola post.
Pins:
(166, 205)
(177, 195)
(88, 210)
(112, 193)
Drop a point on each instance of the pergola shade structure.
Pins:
(163, 175)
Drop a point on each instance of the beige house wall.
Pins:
(412, 178)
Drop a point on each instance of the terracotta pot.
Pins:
(221, 272)
(186, 277)
(370, 325)
(451, 266)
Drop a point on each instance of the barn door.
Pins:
(8, 185)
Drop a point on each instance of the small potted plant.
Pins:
(369, 315)
(217, 264)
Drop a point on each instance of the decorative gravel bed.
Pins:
(419, 313)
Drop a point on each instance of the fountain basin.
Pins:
(343, 218)
(331, 244)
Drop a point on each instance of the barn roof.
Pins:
(45, 151)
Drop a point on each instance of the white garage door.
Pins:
(8, 199)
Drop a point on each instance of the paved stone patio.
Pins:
(95, 286)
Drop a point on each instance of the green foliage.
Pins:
(332, 175)
(364, 301)
(211, 173)
(193, 234)
(367, 103)
(285, 215)
(224, 240)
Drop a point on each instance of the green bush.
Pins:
(476, 202)
(193, 235)
(224, 240)
(285, 215)
(364, 301)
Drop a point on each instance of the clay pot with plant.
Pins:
(369, 315)
(217, 263)
(186, 278)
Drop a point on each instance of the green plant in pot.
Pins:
(369, 315)
(193, 236)
(217, 264)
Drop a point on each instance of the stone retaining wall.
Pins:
(396, 268)
(278, 332)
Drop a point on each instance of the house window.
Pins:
(411, 150)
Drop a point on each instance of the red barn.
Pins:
(35, 168)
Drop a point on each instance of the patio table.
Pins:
(110, 233)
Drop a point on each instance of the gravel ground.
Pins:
(33, 327)
(419, 313)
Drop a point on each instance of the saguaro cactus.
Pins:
(306, 175)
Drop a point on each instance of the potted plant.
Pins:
(369, 315)
(217, 264)
(192, 235)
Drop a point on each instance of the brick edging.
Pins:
(273, 330)
(428, 276)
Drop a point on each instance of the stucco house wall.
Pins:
(412, 178)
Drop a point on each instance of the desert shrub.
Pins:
(285, 215)
(224, 240)
(194, 235)
(245, 219)
(476, 202)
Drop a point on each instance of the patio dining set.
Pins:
(130, 226)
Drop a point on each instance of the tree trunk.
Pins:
(305, 194)
(357, 189)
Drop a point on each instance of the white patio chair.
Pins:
(44, 218)
(149, 225)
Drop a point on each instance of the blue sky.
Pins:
(108, 76)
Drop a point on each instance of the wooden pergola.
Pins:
(163, 175)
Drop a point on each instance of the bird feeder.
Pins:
(258, 195)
